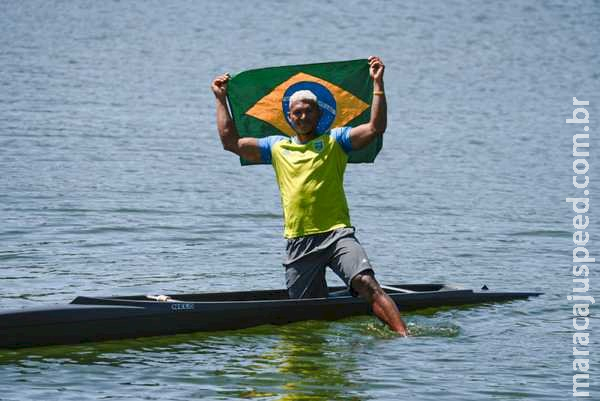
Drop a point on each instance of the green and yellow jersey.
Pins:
(311, 180)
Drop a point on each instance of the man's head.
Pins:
(304, 111)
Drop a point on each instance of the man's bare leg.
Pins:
(383, 306)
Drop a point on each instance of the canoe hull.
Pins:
(98, 319)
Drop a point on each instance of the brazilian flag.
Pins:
(259, 99)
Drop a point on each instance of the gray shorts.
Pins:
(308, 256)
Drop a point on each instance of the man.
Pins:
(309, 168)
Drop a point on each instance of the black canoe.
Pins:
(95, 319)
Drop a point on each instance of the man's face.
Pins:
(304, 115)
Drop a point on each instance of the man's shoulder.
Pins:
(276, 138)
(266, 144)
(341, 129)
(342, 136)
(270, 141)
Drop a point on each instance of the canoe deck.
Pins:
(88, 319)
(247, 296)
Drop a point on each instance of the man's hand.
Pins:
(376, 68)
(246, 148)
(219, 86)
(362, 135)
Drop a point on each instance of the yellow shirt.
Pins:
(311, 181)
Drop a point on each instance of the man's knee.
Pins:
(366, 285)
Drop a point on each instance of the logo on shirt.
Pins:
(318, 145)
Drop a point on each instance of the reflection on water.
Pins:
(315, 368)
(306, 361)
(301, 361)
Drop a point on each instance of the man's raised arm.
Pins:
(362, 135)
(244, 147)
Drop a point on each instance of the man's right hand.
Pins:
(246, 148)
(219, 86)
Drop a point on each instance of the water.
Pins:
(113, 181)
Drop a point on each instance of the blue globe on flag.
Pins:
(325, 99)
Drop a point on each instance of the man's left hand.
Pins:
(376, 68)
